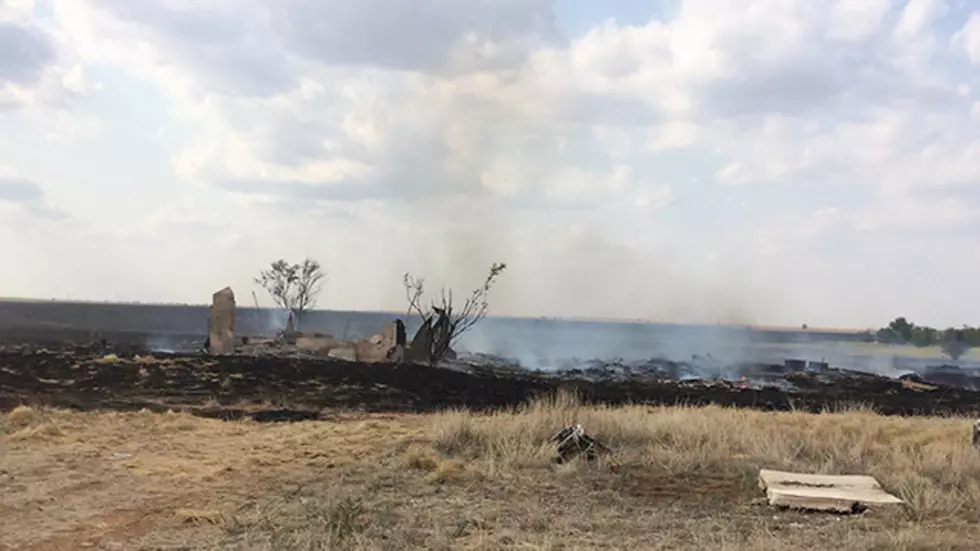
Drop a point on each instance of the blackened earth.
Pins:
(125, 377)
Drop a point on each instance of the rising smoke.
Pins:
(476, 184)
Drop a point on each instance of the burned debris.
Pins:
(572, 441)
(390, 345)
(431, 342)
(295, 287)
(443, 324)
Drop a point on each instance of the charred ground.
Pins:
(289, 388)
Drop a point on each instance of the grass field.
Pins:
(678, 478)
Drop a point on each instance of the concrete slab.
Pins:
(348, 354)
(837, 493)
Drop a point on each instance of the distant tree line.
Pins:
(954, 341)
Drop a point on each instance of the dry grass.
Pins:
(678, 478)
(927, 461)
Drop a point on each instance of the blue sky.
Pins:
(737, 161)
(577, 17)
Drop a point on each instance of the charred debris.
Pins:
(389, 346)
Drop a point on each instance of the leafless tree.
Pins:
(414, 289)
(294, 287)
(443, 324)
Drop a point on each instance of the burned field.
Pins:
(297, 387)
(113, 445)
(84, 362)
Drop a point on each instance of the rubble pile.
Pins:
(390, 345)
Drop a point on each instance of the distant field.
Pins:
(678, 479)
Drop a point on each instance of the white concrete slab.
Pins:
(838, 493)
(347, 354)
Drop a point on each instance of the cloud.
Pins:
(778, 107)
(19, 190)
(28, 196)
(37, 68)
(687, 167)
(26, 52)
(428, 35)
(968, 38)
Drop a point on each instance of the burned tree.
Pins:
(443, 324)
(294, 287)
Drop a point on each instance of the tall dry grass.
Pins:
(929, 462)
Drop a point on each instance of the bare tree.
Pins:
(294, 287)
(414, 289)
(442, 325)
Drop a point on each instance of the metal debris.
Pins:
(572, 441)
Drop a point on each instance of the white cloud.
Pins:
(968, 38)
(855, 20)
(918, 16)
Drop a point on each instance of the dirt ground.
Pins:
(677, 478)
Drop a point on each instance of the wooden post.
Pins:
(976, 434)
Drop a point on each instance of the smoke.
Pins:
(477, 169)
(265, 322)
(585, 273)
(170, 345)
(550, 345)
(274, 320)
(681, 352)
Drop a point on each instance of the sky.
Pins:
(769, 162)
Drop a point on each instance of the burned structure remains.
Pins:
(221, 329)
(430, 343)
